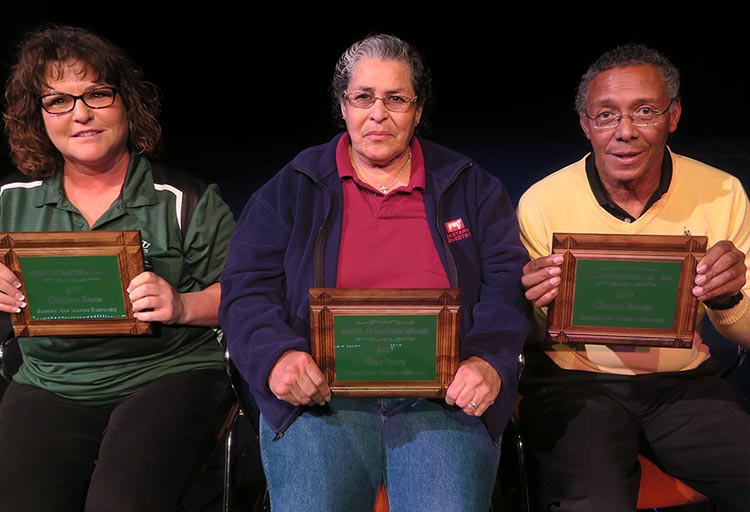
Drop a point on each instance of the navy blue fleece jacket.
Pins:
(287, 241)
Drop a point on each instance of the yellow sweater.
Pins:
(701, 200)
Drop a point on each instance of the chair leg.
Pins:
(227, 497)
(511, 493)
(522, 471)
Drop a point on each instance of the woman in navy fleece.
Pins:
(377, 207)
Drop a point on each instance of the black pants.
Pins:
(584, 432)
(138, 456)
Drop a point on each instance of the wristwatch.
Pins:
(727, 304)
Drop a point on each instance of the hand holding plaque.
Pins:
(75, 281)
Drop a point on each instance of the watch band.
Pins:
(728, 304)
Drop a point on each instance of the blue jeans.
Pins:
(332, 459)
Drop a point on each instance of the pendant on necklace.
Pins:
(383, 188)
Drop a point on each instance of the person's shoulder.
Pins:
(559, 179)
(680, 161)
(188, 185)
(17, 179)
(16, 176)
(445, 164)
(318, 156)
(169, 173)
(441, 153)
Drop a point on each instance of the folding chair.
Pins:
(250, 494)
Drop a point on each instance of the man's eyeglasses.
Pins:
(392, 102)
(60, 103)
(642, 117)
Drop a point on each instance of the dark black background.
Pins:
(244, 90)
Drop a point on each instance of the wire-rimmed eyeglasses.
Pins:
(643, 116)
(62, 103)
(392, 102)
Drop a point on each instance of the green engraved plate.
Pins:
(385, 347)
(73, 287)
(620, 293)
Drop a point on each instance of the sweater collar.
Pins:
(602, 197)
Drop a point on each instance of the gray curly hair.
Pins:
(384, 47)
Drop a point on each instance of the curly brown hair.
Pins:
(44, 53)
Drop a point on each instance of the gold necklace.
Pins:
(384, 188)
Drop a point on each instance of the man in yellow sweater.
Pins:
(589, 408)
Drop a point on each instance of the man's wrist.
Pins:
(725, 304)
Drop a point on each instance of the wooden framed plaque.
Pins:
(626, 289)
(75, 281)
(386, 342)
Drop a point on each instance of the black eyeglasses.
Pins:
(392, 102)
(61, 103)
(642, 117)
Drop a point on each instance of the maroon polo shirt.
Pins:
(386, 241)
